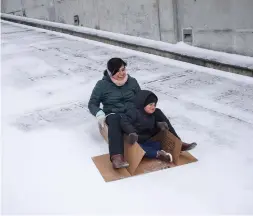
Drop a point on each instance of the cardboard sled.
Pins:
(138, 164)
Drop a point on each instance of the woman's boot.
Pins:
(118, 161)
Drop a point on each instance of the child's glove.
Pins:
(132, 138)
(162, 126)
(101, 118)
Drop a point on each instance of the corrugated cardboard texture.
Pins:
(170, 143)
(138, 164)
(104, 132)
(151, 165)
(133, 155)
(185, 158)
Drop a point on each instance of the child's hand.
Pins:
(163, 126)
(132, 138)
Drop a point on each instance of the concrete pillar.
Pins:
(167, 21)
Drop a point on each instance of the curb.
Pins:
(172, 55)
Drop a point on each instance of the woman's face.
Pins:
(121, 74)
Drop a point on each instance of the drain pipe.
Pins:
(23, 8)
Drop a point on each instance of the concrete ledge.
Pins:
(135, 44)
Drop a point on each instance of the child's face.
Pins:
(150, 108)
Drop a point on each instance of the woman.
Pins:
(116, 91)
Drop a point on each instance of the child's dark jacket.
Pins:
(136, 120)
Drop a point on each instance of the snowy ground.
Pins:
(49, 136)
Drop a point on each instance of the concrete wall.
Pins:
(41, 9)
(224, 25)
(138, 18)
(167, 21)
(12, 5)
(85, 9)
(151, 19)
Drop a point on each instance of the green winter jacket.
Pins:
(115, 99)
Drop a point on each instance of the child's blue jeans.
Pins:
(151, 148)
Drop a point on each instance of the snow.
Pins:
(49, 136)
(179, 48)
(223, 57)
(184, 65)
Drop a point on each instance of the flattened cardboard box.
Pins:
(138, 164)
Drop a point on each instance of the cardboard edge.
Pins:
(133, 155)
(146, 166)
(104, 166)
(138, 164)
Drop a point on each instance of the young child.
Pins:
(140, 124)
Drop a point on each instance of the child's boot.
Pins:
(164, 156)
(187, 147)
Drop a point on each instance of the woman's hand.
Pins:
(101, 118)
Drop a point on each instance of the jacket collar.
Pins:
(107, 78)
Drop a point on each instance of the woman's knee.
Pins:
(113, 119)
